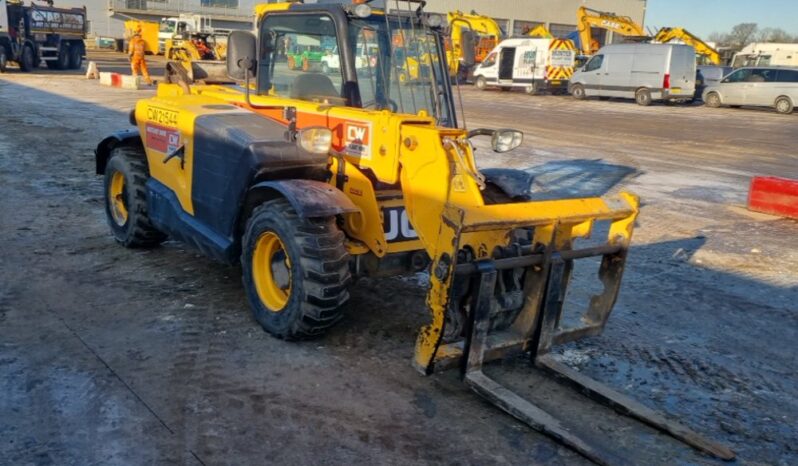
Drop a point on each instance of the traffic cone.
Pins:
(92, 72)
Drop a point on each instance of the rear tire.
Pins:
(126, 199)
(305, 64)
(713, 100)
(578, 92)
(784, 105)
(3, 59)
(643, 97)
(63, 58)
(481, 83)
(75, 57)
(532, 89)
(296, 271)
(28, 59)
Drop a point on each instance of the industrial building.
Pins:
(106, 17)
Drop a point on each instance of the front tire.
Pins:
(3, 59)
(713, 100)
(296, 271)
(578, 92)
(784, 105)
(126, 199)
(481, 83)
(643, 97)
(325, 68)
(28, 59)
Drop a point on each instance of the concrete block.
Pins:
(773, 195)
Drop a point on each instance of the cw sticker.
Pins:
(357, 139)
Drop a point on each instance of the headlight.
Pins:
(505, 140)
(316, 140)
(362, 10)
(434, 21)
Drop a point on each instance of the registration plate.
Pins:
(676, 90)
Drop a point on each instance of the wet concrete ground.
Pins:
(114, 356)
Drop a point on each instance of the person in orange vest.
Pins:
(136, 50)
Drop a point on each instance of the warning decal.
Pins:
(162, 139)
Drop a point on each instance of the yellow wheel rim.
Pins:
(116, 198)
(271, 271)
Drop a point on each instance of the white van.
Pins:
(766, 54)
(644, 72)
(529, 63)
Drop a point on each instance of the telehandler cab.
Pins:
(309, 179)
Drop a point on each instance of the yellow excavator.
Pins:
(540, 32)
(196, 46)
(309, 179)
(486, 34)
(705, 54)
(587, 19)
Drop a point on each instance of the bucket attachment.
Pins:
(543, 266)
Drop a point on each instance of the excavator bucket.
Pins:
(543, 267)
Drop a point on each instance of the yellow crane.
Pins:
(707, 54)
(587, 19)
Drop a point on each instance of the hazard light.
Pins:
(666, 81)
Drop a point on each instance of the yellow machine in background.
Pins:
(196, 46)
(705, 54)
(486, 34)
(587, 19)
(540, 31)
(149, 32)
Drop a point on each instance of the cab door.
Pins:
(732, 88)
(506, 65)
(593, 73)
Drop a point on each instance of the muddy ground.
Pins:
(115, 356)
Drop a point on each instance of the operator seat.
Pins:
(312, 87)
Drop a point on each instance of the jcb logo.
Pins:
(357, 139)
(610, 24)
(397, 226)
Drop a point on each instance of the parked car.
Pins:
(709, 75)
(756, 86)
(644, 72)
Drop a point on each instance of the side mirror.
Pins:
(501, 140)
(468, 48)
(241, 54)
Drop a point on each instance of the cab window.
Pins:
(761, 76)
(292, 47)
(738, 76)
(787, 76)
(489, 61)
(594, 63)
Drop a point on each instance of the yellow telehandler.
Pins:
(308, 179)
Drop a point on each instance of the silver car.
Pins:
(756, 86)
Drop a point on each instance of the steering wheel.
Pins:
(391, 103)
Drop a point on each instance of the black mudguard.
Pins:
(104, 148)
(309, 198)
